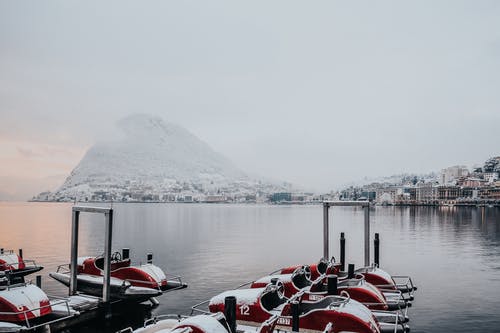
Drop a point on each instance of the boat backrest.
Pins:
(300, 279)
(271, 300)
(306, 307)
(322, 266)
(99, 262)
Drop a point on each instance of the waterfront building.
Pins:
(473, 182)
(451, 174)
(448, 193)
(387, 195)
(490, 193)
(281, 196)
(426, 193)
(490, 177)
(217, 198)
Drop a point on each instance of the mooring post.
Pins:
(295, 316)
(376, 253)
(74, 252)
(230, 312)
(342, 252)
(106, 292)
(21, 253)
(150, 258)
(367, 235)
(332, 284)
(125, 253)
(39, 281)
(350, 271)
(325, 231)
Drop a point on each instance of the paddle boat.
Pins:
(372, 274)
(136, 283)
(144, 275)
(356, 287)
(13, 267)
(255, 306)
(23, 302)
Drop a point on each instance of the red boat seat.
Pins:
(306, 307)
(300, 280)
(322, 266)
(271, 300)
(99, 263)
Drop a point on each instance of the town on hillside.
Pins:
(455, 185)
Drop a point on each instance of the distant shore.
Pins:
(398, 204)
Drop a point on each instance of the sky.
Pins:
(316, 93)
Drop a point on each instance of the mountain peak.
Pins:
(150, 152)
(149, 126)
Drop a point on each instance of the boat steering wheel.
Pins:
(307, 272)
(116, 256)
(280, 289)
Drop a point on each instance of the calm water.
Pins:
(453, 254)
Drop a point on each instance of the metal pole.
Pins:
(342, 252)
(230, 312)
(125, 253)
(332, 285)
(74, 253)
(350, 271)
(367, 235)
(325, 232)
(107, 256)
(376, 250)
(295, 316)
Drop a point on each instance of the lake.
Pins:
(453, 254)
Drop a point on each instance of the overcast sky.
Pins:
(317, 93)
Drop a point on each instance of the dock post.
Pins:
(342, 252)
(74, 252)
(332, 284)
(230, 312)
(125, 253)
(21, 253)
(367, 235)
(150, 258)
(350, 271)
(295, 316)
(325, 232)
(39, 281)
(376, 249)
(106, 292)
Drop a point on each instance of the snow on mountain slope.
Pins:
(153, 155)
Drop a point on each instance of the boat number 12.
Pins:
(245, 310)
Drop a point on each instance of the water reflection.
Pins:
(453, 253)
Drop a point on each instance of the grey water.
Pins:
(453, 254)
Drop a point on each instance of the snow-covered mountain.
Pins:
(151, 157)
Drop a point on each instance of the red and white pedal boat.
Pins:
(145, 275)
(23, 302)
(128, 282)
(373, 274)
(357, 288)
(255, 306)
(213, 323)
(13, 267)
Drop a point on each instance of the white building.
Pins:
(450, 175)
(490, 177)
